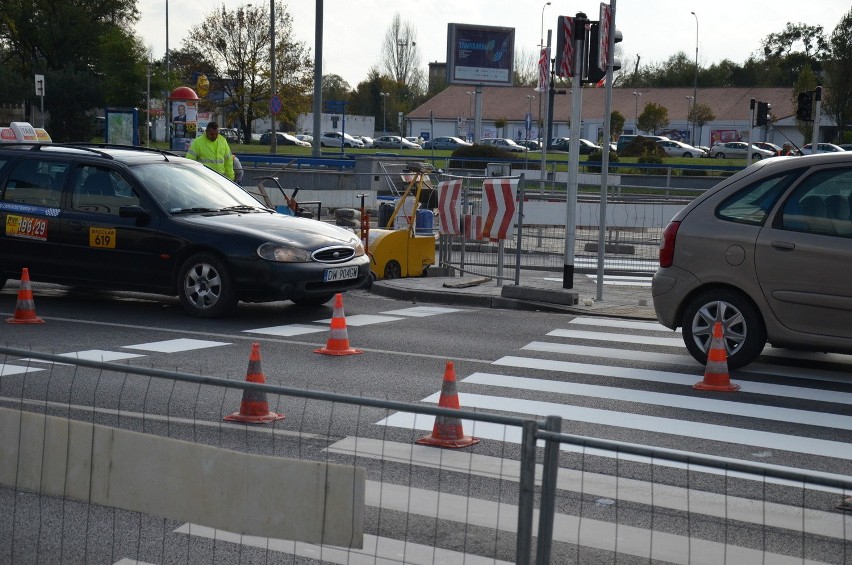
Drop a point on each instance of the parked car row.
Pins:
(283, 139)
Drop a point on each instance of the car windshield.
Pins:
(189, 187)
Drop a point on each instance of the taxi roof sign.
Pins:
(23, 132)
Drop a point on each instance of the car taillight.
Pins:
(668, 244)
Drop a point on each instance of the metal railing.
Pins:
(583, 499)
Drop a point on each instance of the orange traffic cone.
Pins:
(338, 338)
(447, 431)
(254, 409)
(716, 373)
(25, 309)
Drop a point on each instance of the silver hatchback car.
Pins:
(768, 252)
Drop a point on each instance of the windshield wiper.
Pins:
(193, 210)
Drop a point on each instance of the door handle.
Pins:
(783, 245)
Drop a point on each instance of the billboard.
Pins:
(480, 54)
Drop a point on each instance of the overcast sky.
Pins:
(653, 29)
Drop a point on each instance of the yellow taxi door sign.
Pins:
(102, 237)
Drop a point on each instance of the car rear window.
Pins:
(752, 204)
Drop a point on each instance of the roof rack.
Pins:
(91, 146)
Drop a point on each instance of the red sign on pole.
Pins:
(603, 36)
(449, 205)
(498, 208)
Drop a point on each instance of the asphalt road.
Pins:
(612, 379)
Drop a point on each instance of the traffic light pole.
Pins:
(605, 152)
(579, 39)
(750, 130)
(817, 111)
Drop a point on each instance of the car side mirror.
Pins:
(141, 214)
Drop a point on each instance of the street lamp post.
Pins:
(689, 102)
(695, 81)
(384, 96)
(541, 46)
(636, 96)
(530, 98)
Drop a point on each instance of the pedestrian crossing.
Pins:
(602, 374)
(557, 372)
(183, 345)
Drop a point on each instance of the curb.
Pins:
(501, 302)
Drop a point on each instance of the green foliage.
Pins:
(654, 117)
(236, 44)
(477, 156)
(596, 156)
(86, 52)
(500, 124)
(837, 99)
(643, 147)
(616, 125)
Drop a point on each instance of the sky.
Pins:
(653, 30)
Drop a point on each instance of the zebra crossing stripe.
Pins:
(379, 550)
(623, 324)
(697, 403)
(805, 373)
(7, 370)
(498, 432)
(620, 338)
(770, 389)
(629, 420)
(746, 510)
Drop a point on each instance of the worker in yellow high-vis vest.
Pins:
(212, 150)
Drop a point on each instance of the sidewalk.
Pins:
(538, 290)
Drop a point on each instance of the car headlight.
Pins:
(283, 254)
(358, 245)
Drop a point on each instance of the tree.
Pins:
(400, 57)
(700, 114)
(654, 117)
(335, 88)
(236, 44)
(616, 125)
(526, 68)
(837, 99)
(36, 38)
(366, 100)
(500, 124)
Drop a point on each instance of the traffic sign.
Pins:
(275, 104)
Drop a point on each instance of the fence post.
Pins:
(547, 508)
(520, 227)
(526, 494)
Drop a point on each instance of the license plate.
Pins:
(340, 274)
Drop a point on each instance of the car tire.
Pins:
(205, 287)
(757, 156)
(720, 155)
(687, 154)
(743, 329)
(313, 301)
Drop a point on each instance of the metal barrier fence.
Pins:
(106, 463)
(632, 233)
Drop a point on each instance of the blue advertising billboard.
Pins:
(480, 54)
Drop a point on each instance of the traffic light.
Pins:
(597, 49)
(763, 113)
(805, 108)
